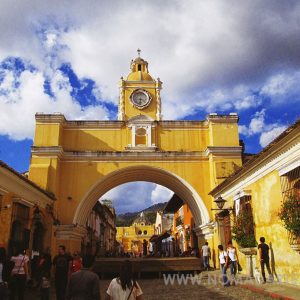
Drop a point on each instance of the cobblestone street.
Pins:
(156, 289)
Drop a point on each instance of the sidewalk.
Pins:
(275, 290)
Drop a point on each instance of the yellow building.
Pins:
(79, 161)
(131, 238)
(260, 187)
(26, 214)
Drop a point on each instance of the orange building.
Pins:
(183, 224)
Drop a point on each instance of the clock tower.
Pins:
(139, 93)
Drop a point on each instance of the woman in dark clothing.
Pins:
(43, 275)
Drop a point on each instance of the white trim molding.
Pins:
(280, 161)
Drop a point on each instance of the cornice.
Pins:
(215, 118)
(138, 82)
(223, 151)
(50, 118)
(134, 156)
(118, 155)
(55, 151)
(69, 232)
(94, 124)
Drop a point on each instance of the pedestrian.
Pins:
(263, 250)
(19, 274)
(4, 274)
(205, 253)
(150, 248)
(76, 263)
(124, 286)
(145, 246)
(222, 257)
(61, 263)
(232, 260)
(84, 284)
(43, 271)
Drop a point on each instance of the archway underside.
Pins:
(143, 173)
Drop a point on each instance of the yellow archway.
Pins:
(143, 173)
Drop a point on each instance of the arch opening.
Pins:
(143, 173)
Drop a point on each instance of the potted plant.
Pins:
(289, 214)
(243, 232)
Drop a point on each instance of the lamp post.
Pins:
(220, 204)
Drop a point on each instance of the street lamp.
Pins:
(220, 204)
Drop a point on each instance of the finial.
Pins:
(139, 52)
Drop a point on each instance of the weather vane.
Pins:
(139, 52)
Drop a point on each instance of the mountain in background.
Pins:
(126, 219)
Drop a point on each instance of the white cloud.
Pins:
(160, 194)
(136, 196)
(257, 123)
(268, 132)
(269, 135)
(282, 86)
(19, 105)
(243, 130)
(192, 46)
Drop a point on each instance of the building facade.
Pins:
(132, 237)
(26, 213)
(100, 239)
(88, 158)
(257, 193)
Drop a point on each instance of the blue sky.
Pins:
(212, 56)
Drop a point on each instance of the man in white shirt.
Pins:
(205, 253)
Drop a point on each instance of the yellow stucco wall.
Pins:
(126, 235)
(266, 198)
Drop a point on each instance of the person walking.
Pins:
(61, 263)
(222, 257)
(84, 284)
(124, 286)
(4, 274)
(232, 260)
(43, 272)
(263, 250)
(145, 248)
(19, 275)
(205, 253)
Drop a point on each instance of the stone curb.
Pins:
(264, 292)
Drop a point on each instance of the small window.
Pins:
(139, 232)
(139, 67)
(145, 232)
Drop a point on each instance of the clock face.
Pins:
(140, 99)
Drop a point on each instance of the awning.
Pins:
(158, 238)
(173, 205)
